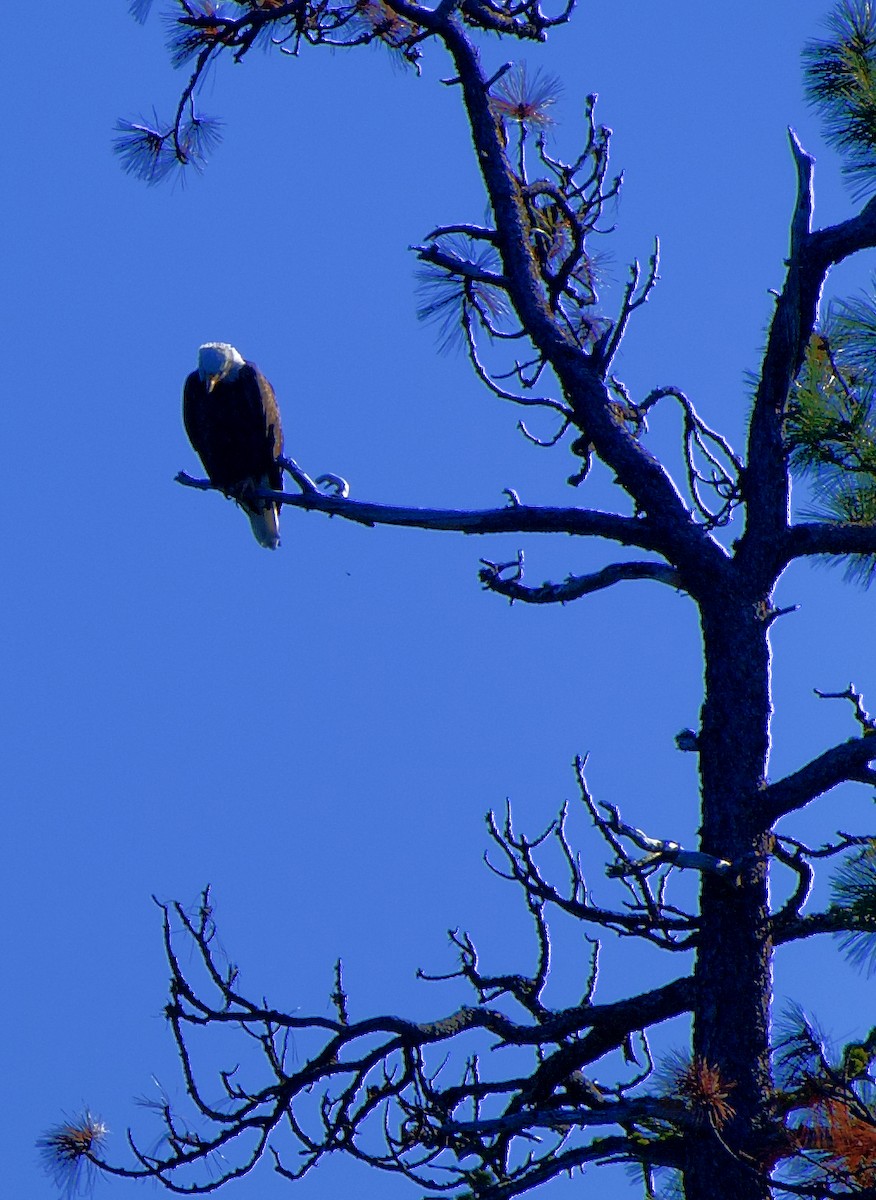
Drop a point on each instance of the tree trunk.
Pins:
(733, 967)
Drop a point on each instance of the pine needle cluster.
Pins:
(853, 889)
(830, 429)
(840, 80)
(68, 1152)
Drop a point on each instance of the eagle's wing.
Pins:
(196, 418)
(263, 424)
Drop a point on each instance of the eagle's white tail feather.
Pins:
(266, 527)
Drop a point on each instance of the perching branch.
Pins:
(520, 518)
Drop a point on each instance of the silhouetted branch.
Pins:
(520, 518)
(346, 1080)
(766, 480)
(823, 537)
(796, 860)
(617, 1112)
(846, 763)
(526, 990)
(647, 916)
(546, 443)
(830, 246)
(634, 297)
(492, 577)
(834, 920)
(479, 232)
(485, 377)
(867, 723)
(660, 852)
(454, 264)
(704, 449)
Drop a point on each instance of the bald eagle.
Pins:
(231, 416)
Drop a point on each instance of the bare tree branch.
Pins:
(866, 722)
(846, 763)
(575, 586)
(830, 246)
(662, 852)
(646, 915)
(834, 920)
(634, 297)
(766, 477)
(455, 265)
(807, 538)
(518, 518)
(618, 1112)
(382, 1060)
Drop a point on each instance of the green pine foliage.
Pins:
(853, 890)
(831, 417)
(830, 429)
(801, 1050)
(840, 78)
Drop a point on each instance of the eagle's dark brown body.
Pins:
(234, 425)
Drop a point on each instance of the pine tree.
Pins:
(751, 1111)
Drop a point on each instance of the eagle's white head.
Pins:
(218, 360)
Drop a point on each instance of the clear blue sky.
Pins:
(318, 732)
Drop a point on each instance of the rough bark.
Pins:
(733, 966)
